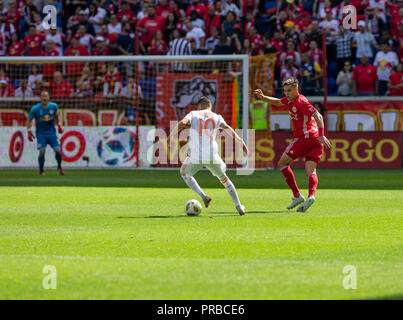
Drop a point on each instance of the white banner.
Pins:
(81, 147)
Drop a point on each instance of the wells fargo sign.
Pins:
(349, 149)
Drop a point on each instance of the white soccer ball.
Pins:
(193, 207)
(117, 146)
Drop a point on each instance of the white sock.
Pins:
(231, 191)
(192, 183)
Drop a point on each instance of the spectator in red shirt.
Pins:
(6, 89)
(179, 12)
(74, 19)
(158, 45)
(290, 53)
(126, 15)
(288, 69)
(303, 45)
(197, 6)
(85, 38)
(59, 88)
(250, 22)
(5, 26)
(249, 6)
(297, 17)
(396, 21)
(75, 49)
(211, 20)
(255, 39)
(163, 9)
(13, 14)
(148, 25)
(277, 41)
(17, 47)
(315, 54)
(33, 42)
(49, 68)
(112, 81)
(365, 78)
(110, 39)
(84, 83)
(395, 83)
(58, 38)
(399, 39)
(304, 22)
(101, 47)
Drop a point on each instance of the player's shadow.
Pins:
(205, 215)
(157, 217)
(398, 296)
(247, 212)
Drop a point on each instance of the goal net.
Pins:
(111, 106)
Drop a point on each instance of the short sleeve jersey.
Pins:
(44, 118)
(301, 111)
(204, 125)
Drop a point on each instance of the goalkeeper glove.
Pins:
(60, 128)
(30, 136)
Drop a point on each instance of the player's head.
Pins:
(204, 103)
(44, 97)
(290, 87)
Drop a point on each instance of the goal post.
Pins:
(97, 95)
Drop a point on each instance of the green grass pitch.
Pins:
(123, 235)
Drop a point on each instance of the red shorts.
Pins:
(308, 148)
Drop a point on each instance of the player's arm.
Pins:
(321, 127)
(224, 126)
(29, 125)
(178, 128)
(60, 129)
(273, 101)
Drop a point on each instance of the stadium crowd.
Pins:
(367, 60)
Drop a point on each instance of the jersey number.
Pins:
(204, 127)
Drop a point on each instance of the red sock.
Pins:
(290, 179)
(313, 183)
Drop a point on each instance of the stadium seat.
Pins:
(15, 83)
(332, 69)
(148, 87)
(331, 86)
(270, 6)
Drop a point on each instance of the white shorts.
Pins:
(217, 168)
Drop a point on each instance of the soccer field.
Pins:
(123, 235)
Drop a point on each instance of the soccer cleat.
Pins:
(41, 173)
(241, 209)
(307, 203)
(60, 171)
(206, 201)
(296, 201)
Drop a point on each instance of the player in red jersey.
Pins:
(308, 141)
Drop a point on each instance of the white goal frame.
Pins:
(147, 58)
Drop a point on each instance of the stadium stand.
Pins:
(108, 27)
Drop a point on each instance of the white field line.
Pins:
(277, 260)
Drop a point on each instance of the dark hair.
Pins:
(291, 81)
(182, 33)
(176, 19)
(204, 102)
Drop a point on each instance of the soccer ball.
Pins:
(116, 147)
(193, 207)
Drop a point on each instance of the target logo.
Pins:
(16, 146)
(72, 146)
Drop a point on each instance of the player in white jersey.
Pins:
(204, 125)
